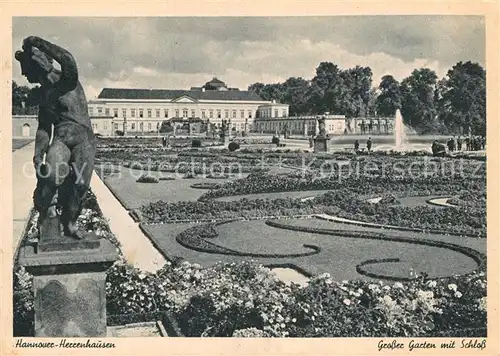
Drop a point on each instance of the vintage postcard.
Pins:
(249, 178)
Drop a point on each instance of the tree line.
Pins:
(453, 104)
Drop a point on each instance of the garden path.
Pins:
(23, 184)
(136, 247)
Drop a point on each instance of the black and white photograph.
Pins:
(250, 177)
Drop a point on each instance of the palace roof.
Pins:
(166, 94)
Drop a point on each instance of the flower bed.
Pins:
(164, 212)
(248, 299)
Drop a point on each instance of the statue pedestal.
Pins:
(225, 140)
(321, 144)
(69, 285)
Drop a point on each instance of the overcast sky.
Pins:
(177, 53)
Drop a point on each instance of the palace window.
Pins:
(141, 113)
(249, 114)
(226, 114)
(116, 126)
(124, 112)
(218, 113)
(177, 113)
(275, 113)
(211, 113)
(234, 114)
(166, 112)
(149, 126)
(242, 114)
(184, 112)
(157, 125)
(105, 125)
(157, 112)
(106, 111)
(132, 126)
(203, 113)
(132, 112)
(91, 111)
(99, 111)
(141, 126)
(283, 113)
(115, 112)
(149, 112)
(193, 113)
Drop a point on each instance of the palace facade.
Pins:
(141, 111)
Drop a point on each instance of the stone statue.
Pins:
(64, 162)
(322, 129)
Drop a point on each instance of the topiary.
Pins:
(233, 146)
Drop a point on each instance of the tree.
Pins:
(327, 89)
(256, 88)
(267, 91)
(295, 93)
(418, 104)
(462, 98)
(358, 82)
(24, 99)
(389, 99)
(19, 95)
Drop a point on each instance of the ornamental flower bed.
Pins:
(165, 212)
(246, 299)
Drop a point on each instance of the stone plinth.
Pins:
(69, 287)
(321, 144)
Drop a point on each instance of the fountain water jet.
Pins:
(399, 130)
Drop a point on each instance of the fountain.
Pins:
(399, 130)
(402, 138)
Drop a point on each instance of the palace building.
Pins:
(141, 111)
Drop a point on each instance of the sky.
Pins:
(181, 52)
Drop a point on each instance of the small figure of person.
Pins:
(449, 143)
(467, 143)
(369, 144)
(356, 145)
(311, 142)
(483, 142)
(164, 141)
(459, 143)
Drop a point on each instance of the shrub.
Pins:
(196, 143)
(119, 133)
(147, 179)
(233, 146)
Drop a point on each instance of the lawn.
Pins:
(338, 256)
